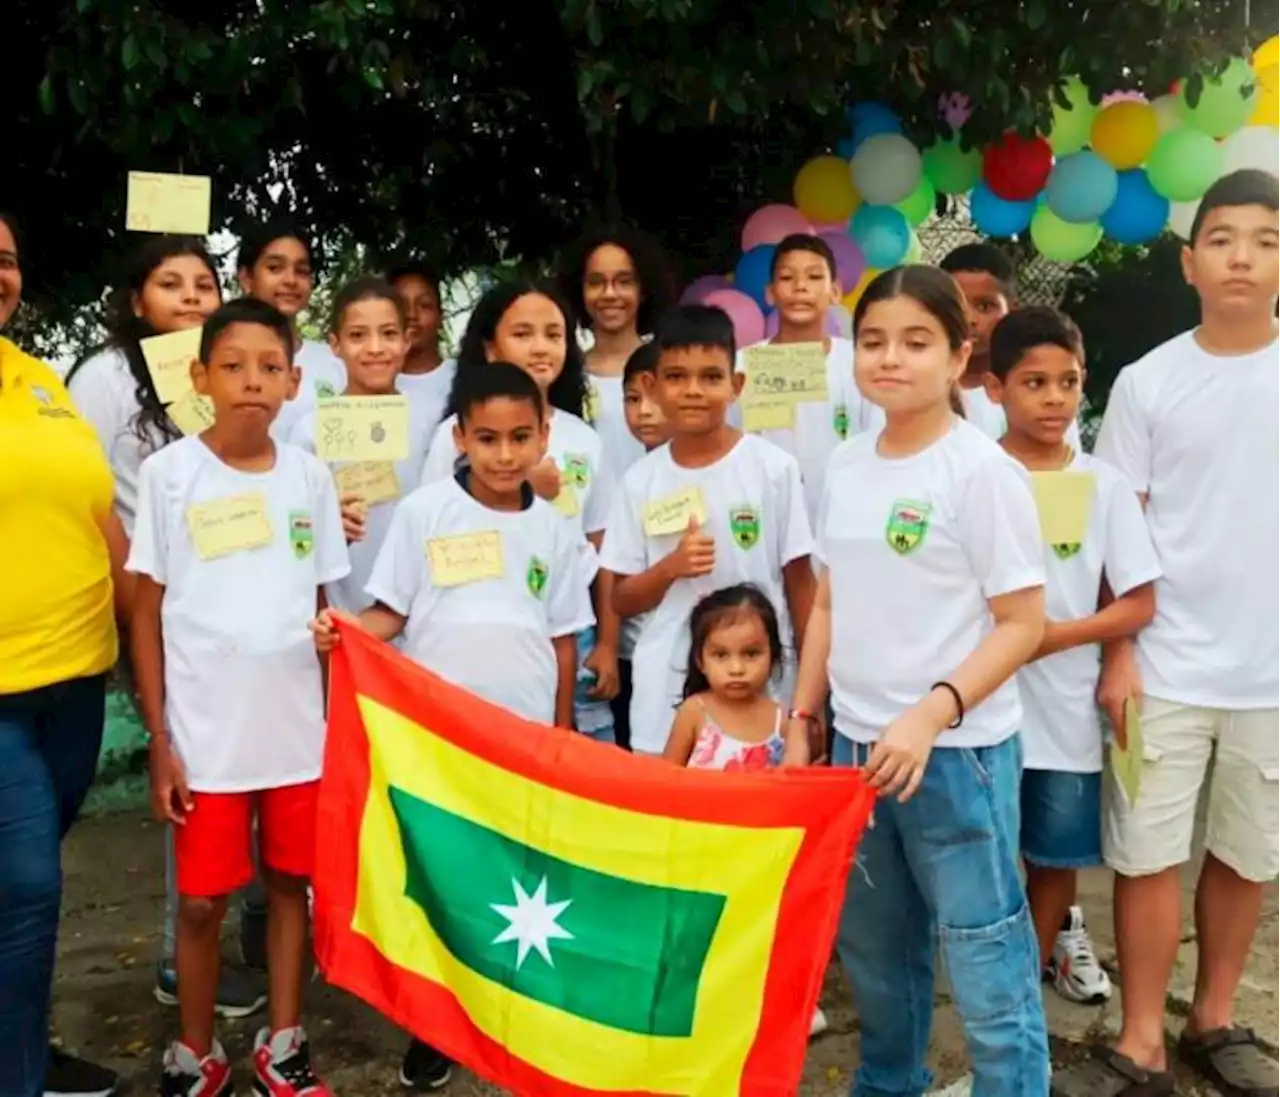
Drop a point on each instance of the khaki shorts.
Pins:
(1179, 741)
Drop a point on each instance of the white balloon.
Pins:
(1252, 147)
(1167, 116)
(886, 169)
(1181, 215)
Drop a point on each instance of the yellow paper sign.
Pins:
(780, 376)
(362, 428)
(168, 359)
(567, 501)
(193, 414)
(374, 481)
(465, 558)
(767, 413)
(1126, 761)
(670, 516)
(159, 202)
(233, 524)
(1065, 500)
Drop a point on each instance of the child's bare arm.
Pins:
(800, 585)
(1119, 619)
(566, 649)
(381, 620)
(684, 731)
(695, 555)
(147, 651)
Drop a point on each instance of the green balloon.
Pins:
(921, 202)
(1060, 240)
(950, 168)
(1071, 126)
(1183, 164)
(915, 253)
(1226, 101)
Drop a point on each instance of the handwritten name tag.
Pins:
(780, 376)
(374, 481)
(1065, 502)
(232, 524)
(362, 428)
(465, 558)
(193, 414)
(670, 515)
(168, 359)
(161, 202)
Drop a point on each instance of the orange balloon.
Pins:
(1125, 132)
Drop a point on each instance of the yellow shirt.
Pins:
(56, 614)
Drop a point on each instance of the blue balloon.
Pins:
(883, 234)
(752, 274)
(867, 120)
(1138, 214)
(993, 216)
(1081, 187)
(846, 147)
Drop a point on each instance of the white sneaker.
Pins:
(1077, 975)
(818, 1025)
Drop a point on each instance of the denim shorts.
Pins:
(1061, 818)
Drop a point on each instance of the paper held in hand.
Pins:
(780, 376)
(373, 481)
(362, 428)
(169, 359)
(1126, 761)
(1065, 501)
(160, 202)
(465, 558)
(231, 524)
(193, 414)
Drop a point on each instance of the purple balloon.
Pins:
(748, 320)
(849, 261)
(696, 291)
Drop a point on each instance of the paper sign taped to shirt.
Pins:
(193, 414)
(670, 516)
(567, 502)
(465, 558)
(767, 413)
(362, 428)
(1126, 761)
(373, 481)
(1065, 501)
(231, 524)
(169, 359)
(780, 376)
(160, 202)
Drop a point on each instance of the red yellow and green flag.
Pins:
(562, 917)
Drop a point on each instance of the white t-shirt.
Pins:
(1197, 433)
(492, 637)
(1060, 727)
(430, 392)
(754, 506)
(323, 374)
(820, 426)
(915, 546)
(243, 694)
(348, 593)
(609, 417)
(989, 417)
(106, 394)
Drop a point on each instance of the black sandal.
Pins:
(1233, 1060)
(1110, 1074)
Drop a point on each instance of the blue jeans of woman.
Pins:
(49, 742)
(942, 869)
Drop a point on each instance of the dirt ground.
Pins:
(111, 936)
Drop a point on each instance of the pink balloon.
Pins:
(769, 224)
(748, 320)
(696, 291)
(1120, 95)
(849, 261)
(834, 325)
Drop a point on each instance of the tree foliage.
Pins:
(476, 132)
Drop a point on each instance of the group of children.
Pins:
(869, 584)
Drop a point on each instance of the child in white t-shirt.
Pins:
(931, 597)
(1036, 375)
(803, 286)
(368, 335)
(710, 509)
(427, 376)
(235, 539)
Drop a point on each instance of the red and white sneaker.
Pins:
(282, 1066)
(186, 1075)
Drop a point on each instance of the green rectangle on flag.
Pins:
(611, 950)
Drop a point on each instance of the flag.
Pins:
(560, 916)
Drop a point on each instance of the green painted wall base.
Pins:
(121, 783)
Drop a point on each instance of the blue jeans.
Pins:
(943, 867)
(49, 743)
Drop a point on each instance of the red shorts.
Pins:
(215, 845)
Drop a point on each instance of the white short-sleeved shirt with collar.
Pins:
(323, 374)
(1197, 434)
(989, 417)
(1060, 726)
(106, 394)
(607, 413)
(914, 548)
(348, 593)
(490, 636)
(820, 426)
(754, 507)
(243, 692)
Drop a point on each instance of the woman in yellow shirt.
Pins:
(62, 558)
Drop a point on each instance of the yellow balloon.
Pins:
(850, 300)
(1267, 54)
(1125, 132)
(1268, 78)
(824, 190)
(1267, 112)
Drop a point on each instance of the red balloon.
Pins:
(1017, 168)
